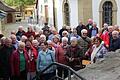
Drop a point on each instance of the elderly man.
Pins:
(84, 40)
(94, 30)
(89, 25)
(5, 53)
(80, 27)
(14, 41)
(20, 33)
(54, 32)
(115, 42)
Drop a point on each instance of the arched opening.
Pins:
(107, 12)
(66, 13)
(9, 18)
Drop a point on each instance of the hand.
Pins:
(71, 59)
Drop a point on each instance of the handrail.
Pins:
(64, 66)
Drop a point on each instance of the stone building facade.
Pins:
(70, 12)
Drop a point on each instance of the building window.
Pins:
(66, 14)
(107, 12)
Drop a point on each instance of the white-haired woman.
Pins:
(19, 63)
(23, 38)
(74, 54)
(60, 56)
(50, 45)
(66, 34)
(74, 34)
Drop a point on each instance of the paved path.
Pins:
(14, 26)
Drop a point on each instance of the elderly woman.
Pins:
(45, 58)
(19, 63)
(32, 54)
(74, 34)
(23, 38)
(66, 34)
(35, 44)
(56, 41)
(74, 54)
(30, 32)
(97, 51)
(50, 45)
(60, 56)
(42, 38)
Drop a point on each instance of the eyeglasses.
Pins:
(84, 33)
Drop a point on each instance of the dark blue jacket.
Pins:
(115, 44)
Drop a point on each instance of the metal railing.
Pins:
(70, 70)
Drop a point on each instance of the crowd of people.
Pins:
(23, 54)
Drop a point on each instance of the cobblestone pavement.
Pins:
(14, 26)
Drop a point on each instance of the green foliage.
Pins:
(19, 2)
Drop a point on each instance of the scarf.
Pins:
(95, 51)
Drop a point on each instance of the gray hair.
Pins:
(64, 39)
(115, 32)
(43, 36)
(83, 31)
(73, 39)
(20, 43)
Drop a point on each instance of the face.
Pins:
(8, 43)
(55, 40)
(20, 29)
(94, 24)
(97, 42)
(43, 46)
(2, 41)
(115, 35)
(31, 38)
(50, 45)
(110, 29)
(84, 34)
(74, 43)
(75, 32)
(13, 39)
(30, 29)
(35, 44)
(41, 39)
(90, 21)
(65, 34)
(28, 44)
(65, 42)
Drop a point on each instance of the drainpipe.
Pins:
(54, 22)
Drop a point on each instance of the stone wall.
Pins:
(105, 69)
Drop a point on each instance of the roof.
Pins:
(2, 14)
(6, 8)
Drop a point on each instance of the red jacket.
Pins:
(28, 34)
(32, 59)
(60, 55)
(105, 37)
(15, 62)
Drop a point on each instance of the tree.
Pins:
(19, 2)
